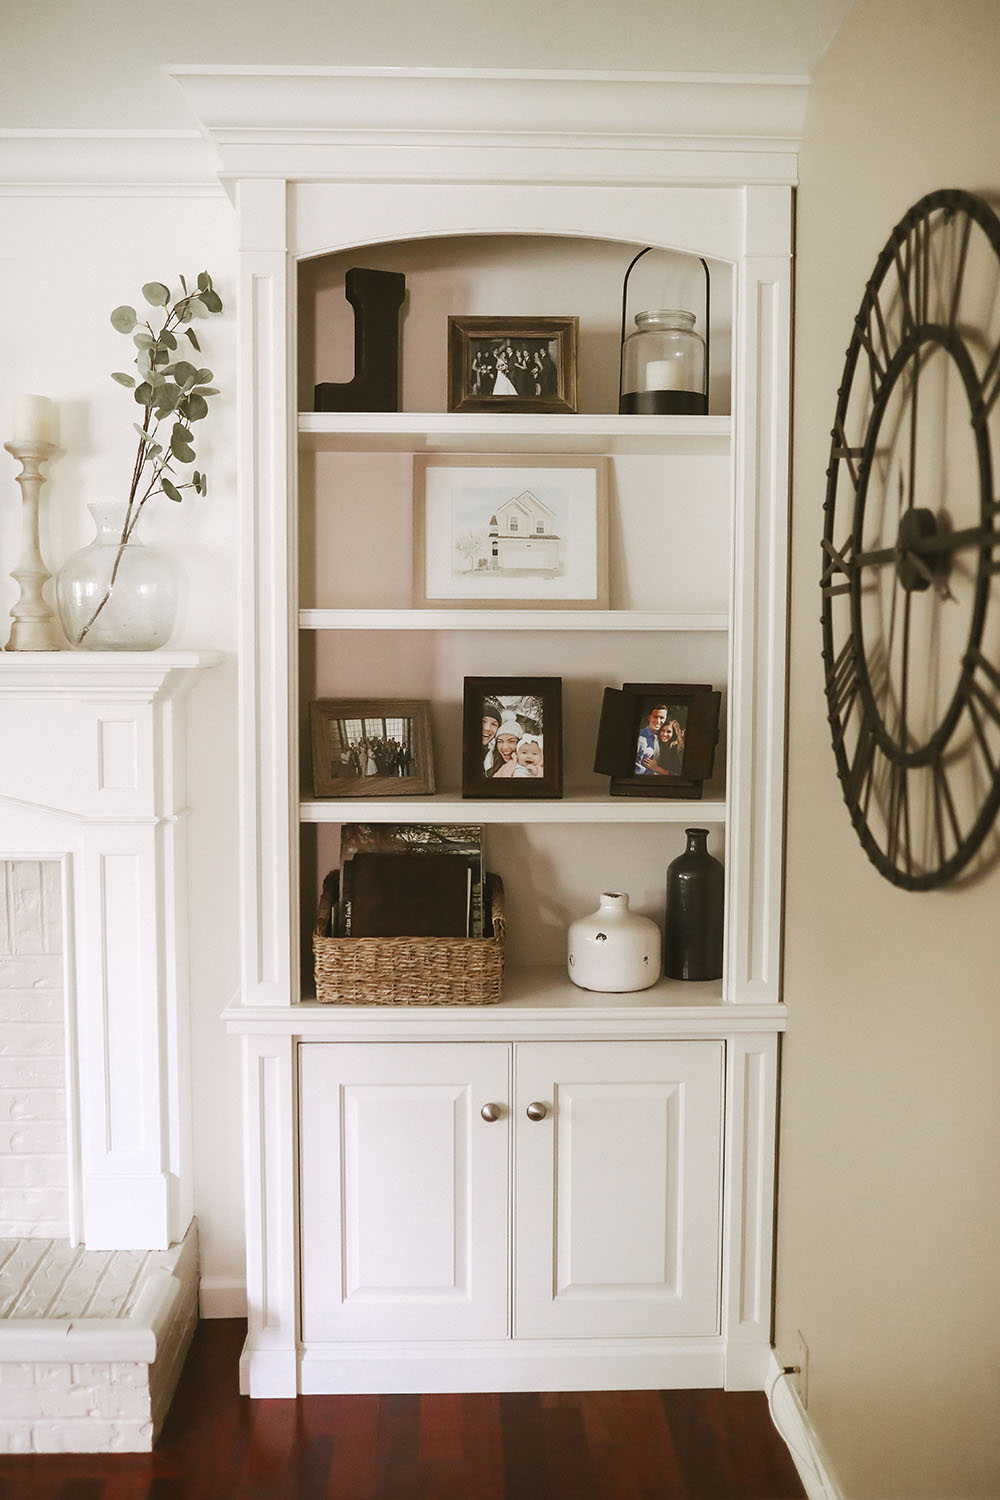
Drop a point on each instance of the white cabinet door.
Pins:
(618, 1198)
(404, 1190)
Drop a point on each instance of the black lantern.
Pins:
(664, 360)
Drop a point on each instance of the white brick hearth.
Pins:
(92, 1343)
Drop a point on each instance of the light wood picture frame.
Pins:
(507, 531)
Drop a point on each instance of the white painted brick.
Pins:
(86, 1436)
(32, 1137)
(61, 1402)
(16, 1437)
(35, 1104)
(93, 1374)
(60, 1375)
(22, 1403)
(31, 1038)
(131, 1403)
(33, 1205)
(33, 971)
(32, 1072)
(30, 1171)
(130, 1374)
(17, 1229)
(13, 1373)
(32, 1005)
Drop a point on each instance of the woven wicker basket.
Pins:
(405, 970)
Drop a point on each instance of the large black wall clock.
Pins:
(911, 547)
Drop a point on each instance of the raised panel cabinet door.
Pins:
(618, 1150)
(404, 1190)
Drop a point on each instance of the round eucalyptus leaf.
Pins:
(167, 339)
(123, 319)
(185, 374)
(170, 490)
(195, 407)
(143, 393)
(123, 379)
(143, 339)
(204, 281)
(156, 294)
(211, 301)
(189, 333)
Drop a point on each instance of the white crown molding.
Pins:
(357, 124)
(108, 163)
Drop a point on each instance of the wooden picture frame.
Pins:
(510, 531)
(371, 747)
(672, 757)
(512, 737)
(512, 364)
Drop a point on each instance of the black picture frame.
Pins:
(532, 360)
(681, 746)
(384, 773)
(526, 735)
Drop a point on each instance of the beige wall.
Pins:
(889, 1211)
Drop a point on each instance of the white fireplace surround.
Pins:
(98, 787)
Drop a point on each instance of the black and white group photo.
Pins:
(518, 366)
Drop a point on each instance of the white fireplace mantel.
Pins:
(93, 776)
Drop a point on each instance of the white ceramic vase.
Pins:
(614, 949)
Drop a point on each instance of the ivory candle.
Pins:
(34, 420)
(665, 375)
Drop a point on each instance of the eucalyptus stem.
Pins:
(168, 387)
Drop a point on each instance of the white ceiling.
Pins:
(101, 65)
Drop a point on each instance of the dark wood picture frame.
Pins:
(682, 746)
(526, 715)
(376, 767)
(534, 359)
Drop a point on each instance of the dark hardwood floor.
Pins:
(606, 1445)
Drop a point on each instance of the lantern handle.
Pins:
(708, 322)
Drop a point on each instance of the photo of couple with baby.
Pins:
(513, 743)
(512, 737)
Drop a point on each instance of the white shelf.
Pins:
(495, 620)
(423, 432)
(575, 807)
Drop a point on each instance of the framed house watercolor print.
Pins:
(510, 532)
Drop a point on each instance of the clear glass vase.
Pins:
(115, 596)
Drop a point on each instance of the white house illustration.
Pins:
(522, 535)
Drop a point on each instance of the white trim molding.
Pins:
(489, 124)
(796, 1431)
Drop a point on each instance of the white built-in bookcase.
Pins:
(510, 194)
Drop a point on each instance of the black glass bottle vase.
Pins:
(695, 881)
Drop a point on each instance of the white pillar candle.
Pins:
(665, 375)
(34, 420)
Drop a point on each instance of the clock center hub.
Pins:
(918, 562)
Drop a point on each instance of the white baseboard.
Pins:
(794, 1427)
(222, 1297)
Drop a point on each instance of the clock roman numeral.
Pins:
(974, 689)
(842, 450)
(899, 819)
(842, 681)
(840, 562)
(990, 388)
(944, 805)
(862, 769)
(876, 367)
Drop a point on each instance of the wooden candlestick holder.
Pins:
(34, 627)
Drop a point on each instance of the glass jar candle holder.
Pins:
(663, 365)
